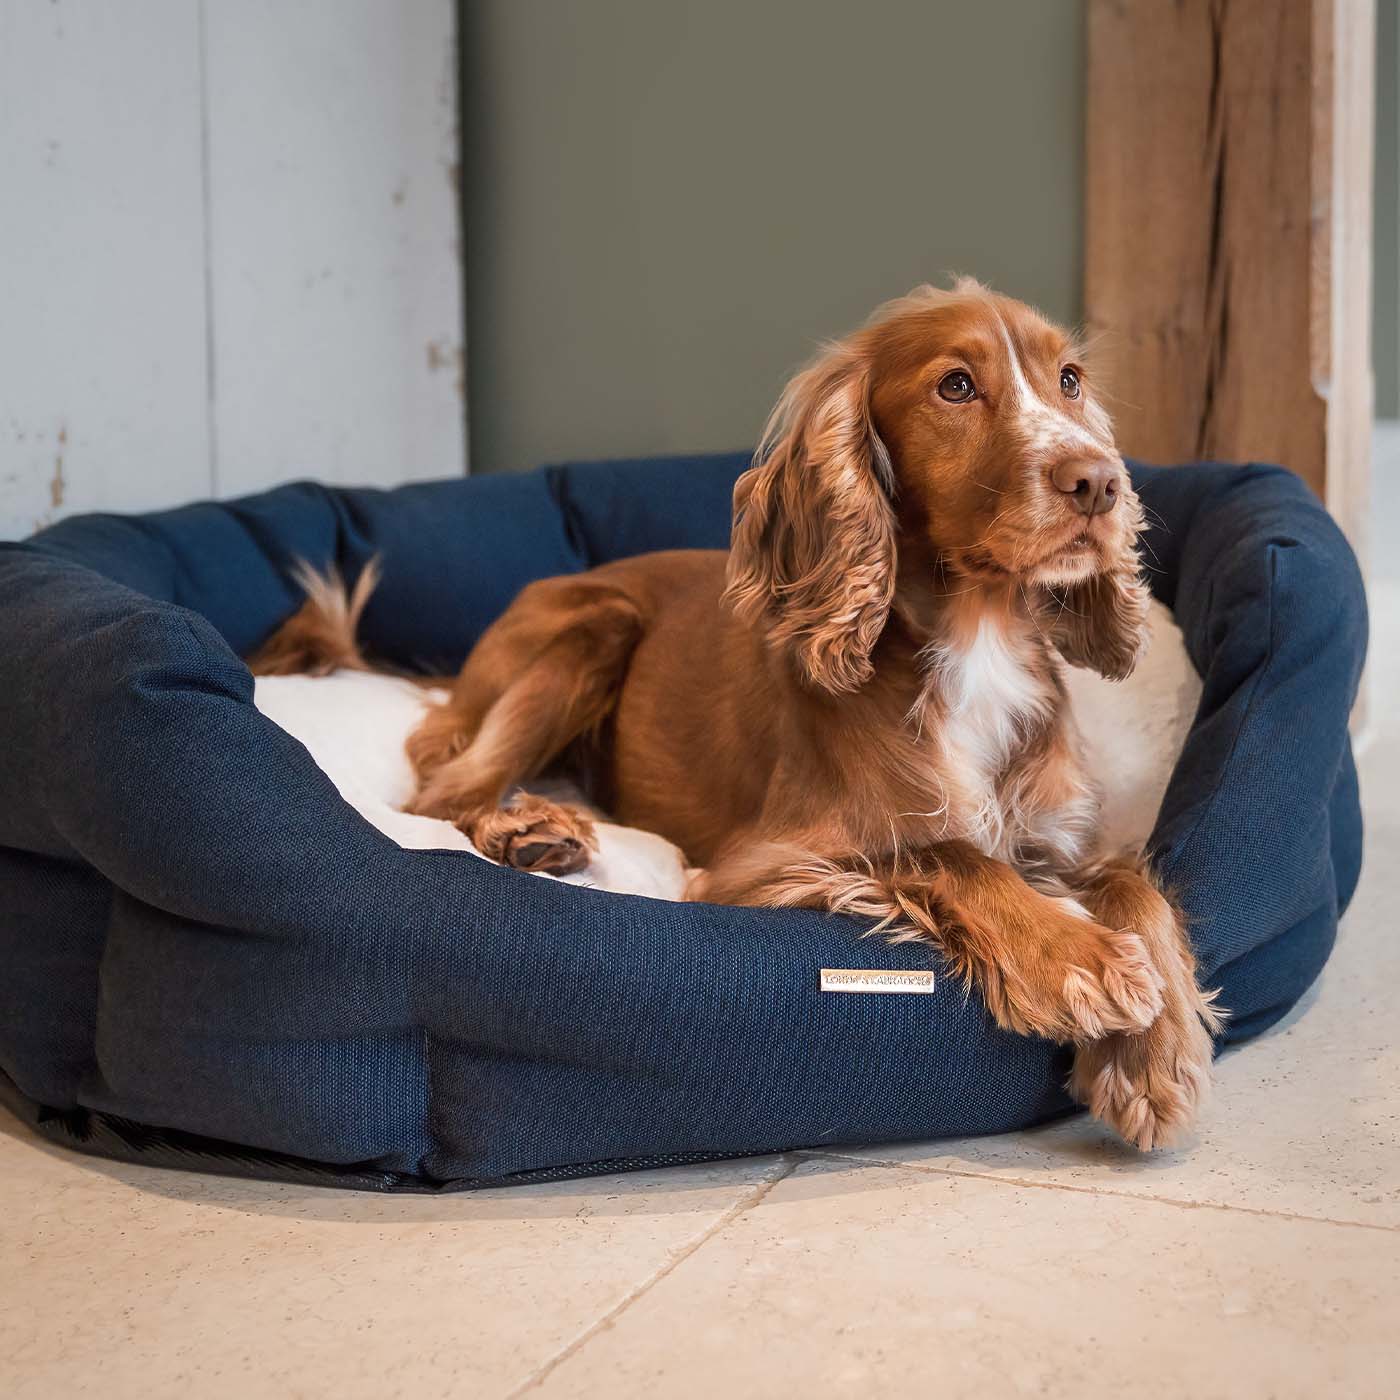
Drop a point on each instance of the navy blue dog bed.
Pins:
(209, 959)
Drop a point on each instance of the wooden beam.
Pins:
(1228, 232)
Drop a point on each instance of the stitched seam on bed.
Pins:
(433, 1139)
(559, 485)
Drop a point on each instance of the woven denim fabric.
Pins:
(209, 959)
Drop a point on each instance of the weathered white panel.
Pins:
(228, 249)
(333, 241)
(103, 391)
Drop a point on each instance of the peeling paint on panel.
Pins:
(444, 354)
(37, 480)
(452, 159)
(57, 486)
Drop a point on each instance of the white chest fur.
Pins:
(990, 693)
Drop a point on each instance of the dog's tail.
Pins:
(320, 636)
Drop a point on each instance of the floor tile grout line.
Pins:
(787, 1164)
(1176, 1201)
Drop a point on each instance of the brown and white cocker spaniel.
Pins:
(860, 706)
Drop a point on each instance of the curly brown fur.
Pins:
(812, 560)
(1100, 624)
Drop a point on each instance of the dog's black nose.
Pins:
(1092, 484)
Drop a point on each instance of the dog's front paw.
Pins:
(1114, 987)
(1074, 979)
(1147, 1087)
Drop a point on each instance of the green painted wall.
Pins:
(668, 204)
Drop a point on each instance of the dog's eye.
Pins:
(1069, 382)
(957, 387)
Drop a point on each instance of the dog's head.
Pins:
(955, 442)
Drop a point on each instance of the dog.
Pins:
(860, 707)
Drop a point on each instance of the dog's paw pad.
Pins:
(558, 855)
(534, 835)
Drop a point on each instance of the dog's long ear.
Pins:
(813, 548)
(1100, 623)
